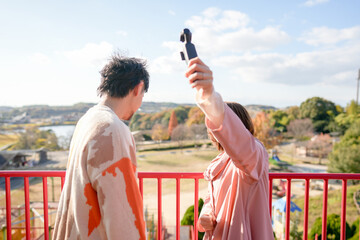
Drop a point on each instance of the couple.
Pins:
(101, 198)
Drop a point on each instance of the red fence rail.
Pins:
(178, 176)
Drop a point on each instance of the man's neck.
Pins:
(120, 106)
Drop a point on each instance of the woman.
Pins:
(237, 205)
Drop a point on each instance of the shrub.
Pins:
(333, 228)
(188, 218)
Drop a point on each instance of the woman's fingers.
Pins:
(196, 65)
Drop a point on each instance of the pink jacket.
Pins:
(238, 183)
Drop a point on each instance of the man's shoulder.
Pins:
(101, 121)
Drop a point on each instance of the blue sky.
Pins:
(275, 54)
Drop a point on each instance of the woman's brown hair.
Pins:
(244, 116)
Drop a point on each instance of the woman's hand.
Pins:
(206, 222)
(200, 77)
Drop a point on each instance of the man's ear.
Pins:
(139, 88)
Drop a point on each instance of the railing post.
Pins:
(270, 195)
(196, 207)
(306, 209)
(8, 207)
(288, 205)
(177, 209)
(343, 210)
(46, 216)
(159, 229)
(27, 207)
(324, 213)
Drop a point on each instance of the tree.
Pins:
(300, 128)
(332, 228)
(195, 116)
(320, 111)
(33, 138)
(159, 133)
(345, 156)
(352, 108)
(173, 122)
(280, 120)
(264, 130)
(188, 218)
(343, 121)
(181, 113)
(320, 146)
(198, 132)
(179, 134)
(293, 112)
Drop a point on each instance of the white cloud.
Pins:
(218, 20)
(330, 36)
(242, 54)
(91, 54)
(171, 12)
(122, 33)
(331, 67)
(167, 64)
(311, 3)
(39, 59)
(216, 31)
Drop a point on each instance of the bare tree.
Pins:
(320, 146)
(198, 132)
(300, 128)
(179, 134)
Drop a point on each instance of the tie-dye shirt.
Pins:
(100, 198)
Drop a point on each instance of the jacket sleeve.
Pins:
(246, 152)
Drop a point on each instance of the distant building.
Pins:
(20, 119)
(22, 158)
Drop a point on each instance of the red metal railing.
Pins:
(178, 176)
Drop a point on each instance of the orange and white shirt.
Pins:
(100, 198)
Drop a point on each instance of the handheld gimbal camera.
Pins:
(189, 50)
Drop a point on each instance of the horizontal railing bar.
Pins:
(335, 176)
(43, 173)
(272, 175)
(191, 175)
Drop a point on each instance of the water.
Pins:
(65, 131)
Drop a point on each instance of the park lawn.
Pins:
(6, 139)
(334, 206)
(185, 160)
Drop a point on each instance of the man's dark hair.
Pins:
(121, 75)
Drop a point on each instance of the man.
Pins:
(101, 198)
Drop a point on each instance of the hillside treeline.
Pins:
(184, 115)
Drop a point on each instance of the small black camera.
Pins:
(189, 50)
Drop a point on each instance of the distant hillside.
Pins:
(153, 107)
(5, 109)
(254, 109)
(76, 110)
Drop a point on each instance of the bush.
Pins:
(333, 228)
(355, 230)
(188, 218)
